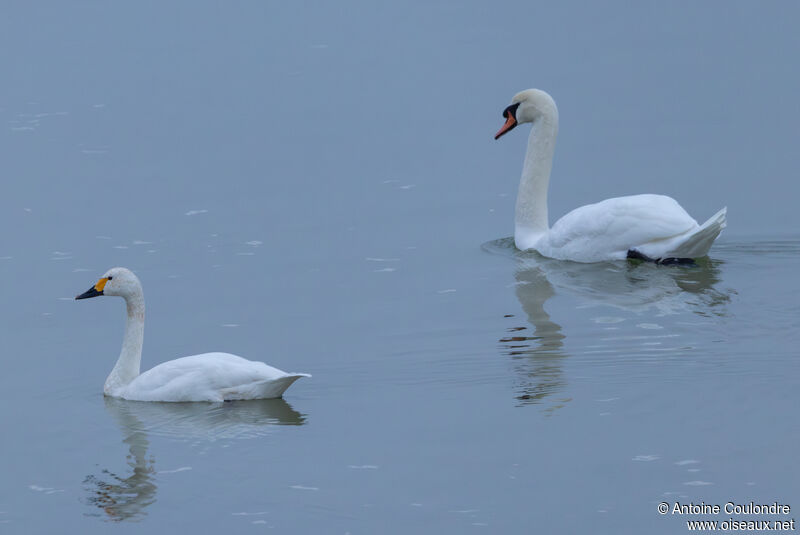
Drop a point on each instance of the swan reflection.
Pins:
(638, 288)
(126, 497)
(536, 356)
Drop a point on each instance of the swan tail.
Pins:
(267, 389)
(698, 243)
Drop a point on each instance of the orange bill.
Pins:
(511, 122)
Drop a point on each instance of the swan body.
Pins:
(654, 225)
(206, 377)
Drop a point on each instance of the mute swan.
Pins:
(206, 377)
(648, 227)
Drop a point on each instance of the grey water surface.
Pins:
(315, 185)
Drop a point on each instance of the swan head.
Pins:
(526, 107)
(116, 281)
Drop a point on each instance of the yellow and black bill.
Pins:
(95, 290)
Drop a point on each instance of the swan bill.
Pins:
(510, 113)
(94, 291)
(91, 292)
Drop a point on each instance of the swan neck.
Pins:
(531, 211)
(130, 357)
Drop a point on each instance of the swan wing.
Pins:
(608, 229)
(207, 377)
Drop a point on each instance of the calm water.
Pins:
(316, 186)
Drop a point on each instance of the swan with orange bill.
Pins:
(646, 227)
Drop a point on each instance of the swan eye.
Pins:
(109, 278)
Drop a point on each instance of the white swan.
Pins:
(653, 227)
(206, 377)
